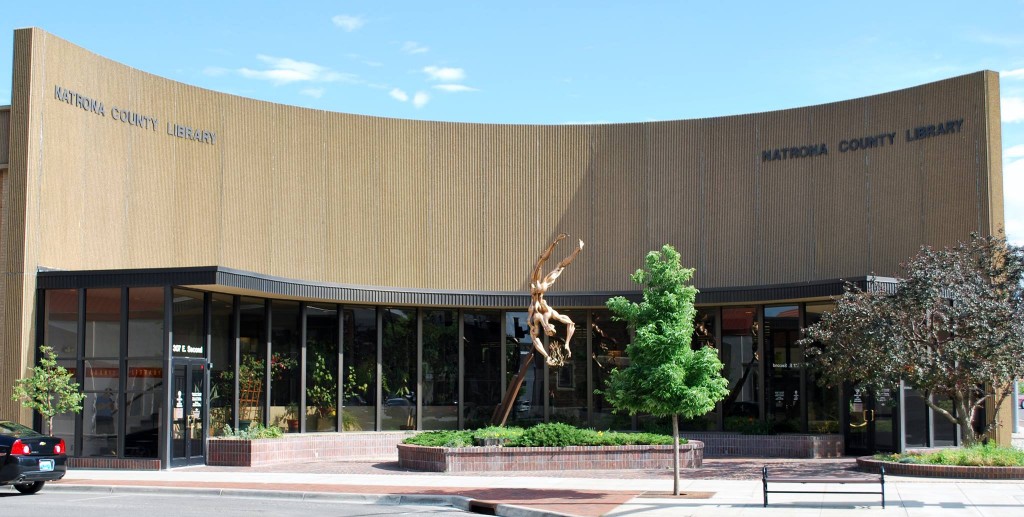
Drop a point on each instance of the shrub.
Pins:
(442, 439)
(498, 433)
(255, 431)
(554, 434)
(989, 455)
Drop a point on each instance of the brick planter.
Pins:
(490, 459)
(730, 445)
(869, 464)
(229, 452)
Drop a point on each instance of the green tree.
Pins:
(952, 329)
(51, 390)
(665, 376)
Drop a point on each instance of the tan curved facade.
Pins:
(167, 175)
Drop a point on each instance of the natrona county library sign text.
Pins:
(132, 118)
(864, 142)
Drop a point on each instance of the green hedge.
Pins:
(989, 455)
(541, 435)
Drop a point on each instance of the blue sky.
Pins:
(555, 62)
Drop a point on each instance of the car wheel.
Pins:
(30, 488)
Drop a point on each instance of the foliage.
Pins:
(952, 329)
(255, 431)
(749, 425)
(541, 435)
(442, 439)
(988, 455)
(322, 389)
(51, 390)
(665, 375)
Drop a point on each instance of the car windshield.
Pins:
(16, 430)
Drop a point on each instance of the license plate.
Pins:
(46, 465)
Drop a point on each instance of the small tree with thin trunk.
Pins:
(952, 329)
(51, 390)
(665, 376)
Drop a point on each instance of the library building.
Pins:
(203, 262)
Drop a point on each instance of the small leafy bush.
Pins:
(255, 431)
(555, 434)
(442, 439)
(988, 455)
(747, 425)
(500, 433)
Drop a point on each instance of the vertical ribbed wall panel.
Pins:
(5, 135)
(339, 198)
(990, 160)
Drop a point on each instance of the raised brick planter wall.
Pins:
(728, 445)
(114, 463)
(870, 464)
(491, 459)
(303, 447)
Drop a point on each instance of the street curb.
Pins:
(454, 501)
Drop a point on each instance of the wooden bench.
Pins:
(880, 479)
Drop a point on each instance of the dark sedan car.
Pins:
(29, 459)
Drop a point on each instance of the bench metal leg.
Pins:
(764, 485)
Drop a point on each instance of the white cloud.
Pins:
(1012, 74)
(446, 74)
(285, 70)
(1013, 195)
(316, 93)
(454, 88)
(411, 47)
(1016, 151)
(420, 99)
(215, 71)
(1012, 108)
(349, 23)
(399, 95)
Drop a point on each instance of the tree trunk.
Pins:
(675, 454)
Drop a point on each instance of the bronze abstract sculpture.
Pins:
(540, 313)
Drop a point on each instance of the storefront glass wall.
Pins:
(399, 369)
(144, 391)
(567, 384)
(822, 401)
(740, 342)
(482, 355)
(783, 368)
(222, 355)
(285, 382)
(609, 352)
(321, 367)
(528, 408)
(359, 347)
(252, 370)
(440, 370)
(60, 331)
(100, 415)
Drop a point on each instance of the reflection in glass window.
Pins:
(482, 352)
(740, 357)
(321, 367)
(440, 369)
(284, 366)
(222, 354)
(609, 352)
(61, 331)
(782, 371)
(144, 396)
(398, 383)
(252, 370)
(360, 375)
(189, 336)
(822, 401)
(103, 323)
(704, 325)
(528, 407)
(568, 383)
(100, 416)
(146, 321)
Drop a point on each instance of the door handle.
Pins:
(872, 419)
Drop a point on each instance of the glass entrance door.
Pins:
(188, 413)
(871, 421)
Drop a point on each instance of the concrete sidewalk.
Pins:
(721, 488)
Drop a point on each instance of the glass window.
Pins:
(360, 376)
(144, 406)
(100, 416)
(782, 371)
(253, 352)
(740, 356)
(483, 336)
(285, 383)
(321, 367)
(222, 354)
(944, 430)
(915, 418)
(103, 323)
(528, 407)
(146, 322)
(822, 401)
(440, 369)
(704, 324)
(61, 331)
(399, 369)
(189, 335)
(610, 339)
(567, 384)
